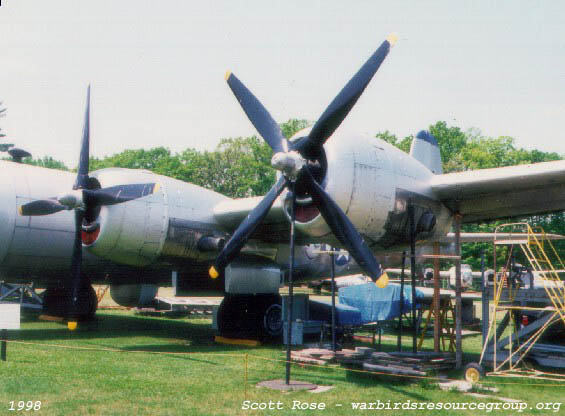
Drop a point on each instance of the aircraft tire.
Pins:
(250, 316)
(271, 319)
(57, 302)
(89, 303)
(234, 317)
(473, 372)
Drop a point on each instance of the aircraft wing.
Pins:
(513, 191)
(449, 238)
(274, 228)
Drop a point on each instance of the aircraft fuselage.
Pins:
(146, 238)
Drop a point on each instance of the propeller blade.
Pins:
(342, 227)
(118, 194)
(41, 207)
(336, 112)
(258, 115)
(76, 269)
(82, 170)
(246, 228)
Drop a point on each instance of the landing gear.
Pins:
(254, 316)
(272, 320)
(57, 302)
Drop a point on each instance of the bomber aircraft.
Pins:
(348, 190)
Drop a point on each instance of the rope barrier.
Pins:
(73, 347)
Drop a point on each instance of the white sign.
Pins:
(9, 316)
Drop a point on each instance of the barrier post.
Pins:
(4, 337)
(246, 360)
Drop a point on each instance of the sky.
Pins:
(157, 69)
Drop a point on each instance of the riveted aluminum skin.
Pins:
(160, 228)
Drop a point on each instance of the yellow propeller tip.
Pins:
(72, 325)
(227, 75)
(382, 281)
(392, 39)
(213, 272)
(156, 188)
(20, 210)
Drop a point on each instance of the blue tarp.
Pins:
(344, 315)
(377, 304)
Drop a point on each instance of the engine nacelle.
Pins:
(172, 225)
(133, 295)
(374, 183)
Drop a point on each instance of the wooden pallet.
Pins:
(403, 363)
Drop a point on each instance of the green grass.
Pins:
(208, 381)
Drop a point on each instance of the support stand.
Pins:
(25, 295)
(458, 325)
(332, 258)
(484, 299)
(413, 277)
(436, 300)
(290, 288)
(174, 282)
(399, 340)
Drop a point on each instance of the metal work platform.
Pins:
(182, 306)
(23, 294)
(522, 296)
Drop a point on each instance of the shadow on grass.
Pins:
(182, 335)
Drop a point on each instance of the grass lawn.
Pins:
(107, 376)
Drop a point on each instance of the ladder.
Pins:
(446, 327)
(540, 252)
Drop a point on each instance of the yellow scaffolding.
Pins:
(541, 256)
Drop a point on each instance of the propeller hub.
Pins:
(72, 199)
(289, 163)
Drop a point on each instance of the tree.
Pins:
(388, 137)
(46, 162)
(3, 146)
(239, 167)
(451, 141)
(153, 159)
(293, 125)
(2, 114)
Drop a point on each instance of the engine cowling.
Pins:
(373, 183)
(134, 295)
(173, 224)
(257, 277)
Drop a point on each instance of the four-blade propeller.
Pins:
(82, 199)
(299, 162)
